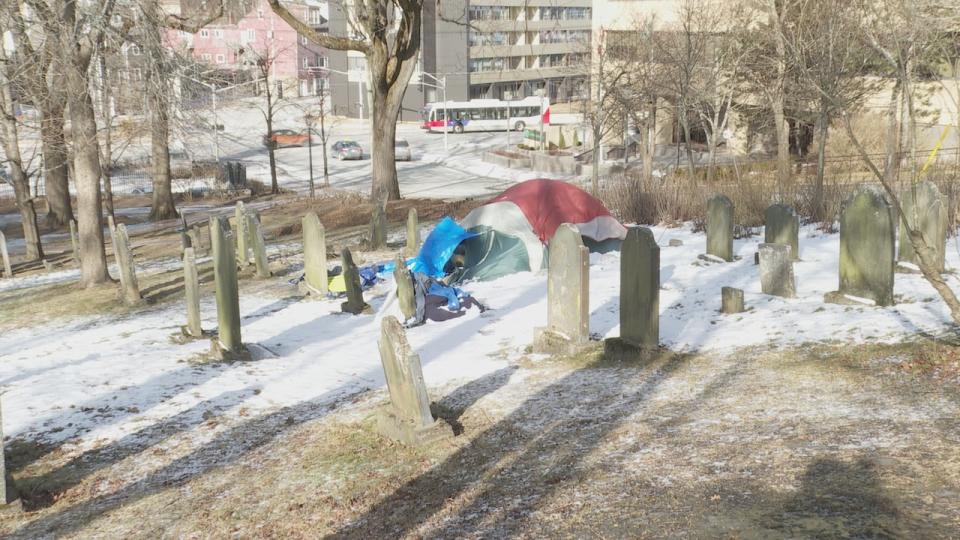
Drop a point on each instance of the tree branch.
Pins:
(331, 42)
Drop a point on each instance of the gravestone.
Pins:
(5, 255)
(351, 280)
(191, 287)
(568, 295)
(378, 228)
(776, 270)
(185, 241)
(9, 498)
(413, 233)
(194, 235)
(782, 226)
(241, 223)
(925, 211)
(720, 227)
(129, 289)
(227, 344)
(314, 256)
(407, 418)
(74, 241)
(731, 300)
(867, 245)
(405, 290)
(639, 292)
(258, 246)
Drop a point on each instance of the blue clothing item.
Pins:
(452, 294)
(368, 276)
(439, 247)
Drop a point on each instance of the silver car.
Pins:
(401, 150)
(347, 150)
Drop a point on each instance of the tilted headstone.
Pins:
(351, 280)
(378, 228)
(639, 290)
(720, 227)
(413, 233)
(405, 290)
(407, 418)
(225, 280)
(9, 498)
(781, 225)
(925, 210)
(191, 287)
(242, 235)
(867, 246)
(314, 255)
(74, 241)
(258, 246)
(129, 288)
(568, 294)
(731, 300)
(776, 270)
(7, 269)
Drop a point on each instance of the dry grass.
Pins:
(822, 441)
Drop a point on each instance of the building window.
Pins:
(486, 64)
(204, 33)
(304, 40)
(135, 50)
(487, 38)
(306, 63)
(356, 63)
(315, 16)
(269, 34)
(206, 57)
(221, 59)
(218, 34)
(137, 74)
(489, 13)
(321, 61)
(259, 13)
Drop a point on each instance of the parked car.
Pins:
(282, 138)
(347, 150)
(401, 150)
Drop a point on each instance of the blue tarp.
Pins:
(439, 247)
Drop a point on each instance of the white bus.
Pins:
(485, 115)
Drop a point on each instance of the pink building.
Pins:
(240, 37)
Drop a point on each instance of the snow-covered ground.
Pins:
(99, 379)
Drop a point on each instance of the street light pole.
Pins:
(445, 122)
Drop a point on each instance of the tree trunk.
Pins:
(685, 123)
(86, 165)
(595, 165)
(891, 139)
(819, 212)
(650, 143)
(106, 151)
(18, 177)
(386, 99)
(54, 148)
(163, 205)
(783, 146)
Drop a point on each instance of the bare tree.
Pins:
(327, 123)
(265, 59)
(388, 34)
(11, 146)
(603, 113)
(831, 68)
(41, 82)
(911, 28)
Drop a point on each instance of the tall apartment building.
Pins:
(498, 49)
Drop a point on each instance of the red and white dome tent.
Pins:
(529, 214)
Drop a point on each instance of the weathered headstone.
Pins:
(405, 291)
(314, 255)
(123, 254)
(731, 300)
(639, 292)
(925, 211)
(194, 235)
(776, 270)
(781, 225)
(378, 228)
(9, 498)
(191, 287)
(720, 227)
(867, 245)
(413, 233)
(228, 342)
(5, 255)
(185, 240)
(568, 295)
(351, 280)
(47, 265)
(74, 241)
(407, 418)
(240, 222)
(258, 246)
